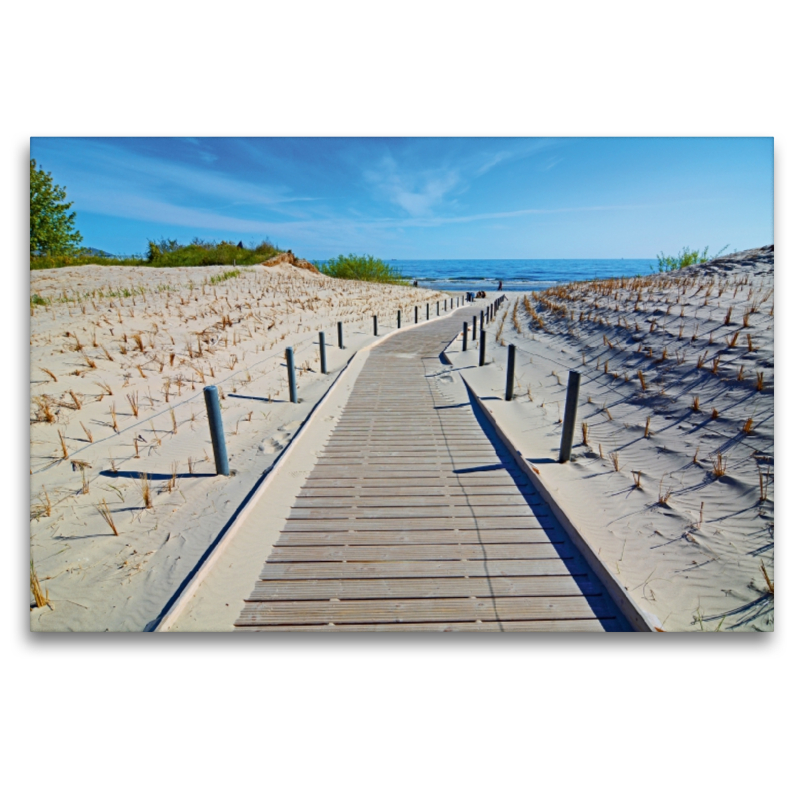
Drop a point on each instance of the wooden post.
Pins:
(217, 433)
(483, 349)
(570, 414)
(323, 364)
(290, 368)
(466, 333)
(512, 351)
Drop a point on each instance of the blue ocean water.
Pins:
(518, 275)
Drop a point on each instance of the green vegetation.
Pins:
(360, 268)
(685, 258)
(168, 253)
(52, 228)
(224, 276)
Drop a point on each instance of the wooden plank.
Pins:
(411, 537)
(325, 570)
(418, 512)
(352, 500)
(415, 524)
(413, 489)
(433, 552)
(416, 588)
(509, 626)
(428, 610)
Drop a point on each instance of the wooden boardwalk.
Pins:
(415, 517)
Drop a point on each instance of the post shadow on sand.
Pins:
(154, 476)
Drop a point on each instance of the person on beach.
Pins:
(500, 286)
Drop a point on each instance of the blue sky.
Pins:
(421, 197)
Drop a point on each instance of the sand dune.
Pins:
(119, 358)
(673, 482)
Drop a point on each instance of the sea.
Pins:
(518, 275)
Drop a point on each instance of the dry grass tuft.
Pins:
(105, 513)
(714, 413)
(48, 372)
(64, 450)
(615, 461)
(720, 466)
(747, 428)
(642, 380)
(40, 599)
(637, 479)
(663, 496)
(759, 381)
(770, 584)
(647, 428)
(585, 433)
(702, 360)
(133, 401)
(146, 490)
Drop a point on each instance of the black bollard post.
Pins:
(217, 433)
(374, 324)
(290, 368)
(437, 308)
(464, 341)
(416, 315)
(512, 351)
(481, 320)
(323, 364)
(483, 349)
(570, 414)
(427, 310)
(340, 331)
(398, 317)
(474, 328)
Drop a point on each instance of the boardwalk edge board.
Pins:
(635, 616)
(172, 612)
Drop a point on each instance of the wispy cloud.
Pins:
(416, 191)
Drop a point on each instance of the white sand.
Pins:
(237, 331)
(691, 573)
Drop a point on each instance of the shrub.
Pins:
(361, 268)
(685, 258)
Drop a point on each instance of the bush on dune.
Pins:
(168, 253)
(361, 268)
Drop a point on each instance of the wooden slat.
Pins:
(413, 537)
(410, 588)
(413, 512)
(433, 552)
(509, 626)
(428, 610)
(325, 570)
(429, 524)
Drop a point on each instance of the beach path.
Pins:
(415, 517)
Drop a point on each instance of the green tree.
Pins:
(52, 227)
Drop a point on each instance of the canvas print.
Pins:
(402, 385)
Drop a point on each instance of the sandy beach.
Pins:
(119, 357)
(671, 477)
(670, 481)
